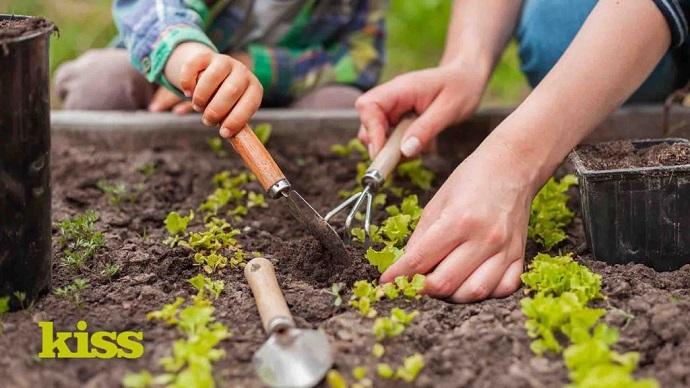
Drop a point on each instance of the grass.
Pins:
(416, 36)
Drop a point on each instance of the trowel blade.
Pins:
(316, 224)
(294, 358)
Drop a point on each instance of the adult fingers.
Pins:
(227, 95)
(189, 72)
(243, 110)
(183, 108)
(374, 122)
(511, 280)
(210, 80)
(425, 128)
(363, 135)
(450, 273)
(434, 245)
(483, 281)
(163, 100)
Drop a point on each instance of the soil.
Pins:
(17, 27)
(477, 345)
(625, 154)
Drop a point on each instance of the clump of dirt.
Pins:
(12, 27)
(625, 154)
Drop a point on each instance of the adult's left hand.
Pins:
(470, 240)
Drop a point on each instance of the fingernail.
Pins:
(187, 93)
(206, 122)
(154, 108)
(410, 147)
(371, 150)
(224, 132)
(196, 108)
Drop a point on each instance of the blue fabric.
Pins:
(546, 29)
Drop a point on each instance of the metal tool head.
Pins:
(294, 358)
(373, 180)
(317, 225)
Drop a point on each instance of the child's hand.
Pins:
(221, 87)
(165, 100)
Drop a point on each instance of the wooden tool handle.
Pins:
(256, 157)
(388, 158)
(269, 299)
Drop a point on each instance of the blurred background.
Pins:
(416, 36)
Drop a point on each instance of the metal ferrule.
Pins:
(373, 178)
(278, 188)
(279, 323)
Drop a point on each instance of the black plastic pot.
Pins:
(25, 223)
(639, 215)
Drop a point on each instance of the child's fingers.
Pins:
(190, 71)
(183, 108)
(244, 109)
(227, 95)
(210, 80)
(163, 100)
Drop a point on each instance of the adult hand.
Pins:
(165, 100)
(440, 96)
(470, 240)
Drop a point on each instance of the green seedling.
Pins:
(216, 145)
(335, 380)
(21, 297)
(378, 350)
(79, 239)
(393, 326)
(419, 175)
(263, 132)
(72, 292)
(4, 308)
(176, 225)
(558, 308)
(353, 146)
(110, 270)
(335, 290)
(365, 294)
(147, 169)
(549, 213)
(118, 192)
(384, 371)
(412, 366)
(359, 373)
(204, 286)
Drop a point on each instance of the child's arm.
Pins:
(355, 58)
(167, 43)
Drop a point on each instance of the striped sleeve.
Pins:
(676, 13)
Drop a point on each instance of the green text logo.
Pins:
(99, 344)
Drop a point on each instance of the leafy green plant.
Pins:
(419, 175)
(549, 212)
(216, 145)
(72, 292)
(110, 270)
(176, 225)
(263, 132)
(386, 327)
(335, 290)
(335, 380)
(4, 305)
(411, 367)
(147, 169)
(365, 294)
(560, 290)
(352, 146)
(378, 350)
(205, 285)
(117, 192)
(79, 239)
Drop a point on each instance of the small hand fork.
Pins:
(373, 179)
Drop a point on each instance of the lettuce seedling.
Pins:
(117, 192)
(335, 290)
(176, 225)
(384, 258)
(168, 313)
(412, 366)
(419, 175)
(386, 327)
(359, 372)
(554, 275)
(352, 146)
(216, 145)
(202, 284)
(549, 212)
(335, 380)
(378, 350)
(384, 370)
(263, 132)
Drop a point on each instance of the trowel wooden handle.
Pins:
(256, 157)
(388, 158)
(270, 301)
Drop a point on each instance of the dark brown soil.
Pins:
(18, 27)
(477, 345)
(624, 154)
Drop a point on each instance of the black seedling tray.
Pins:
(639, 215)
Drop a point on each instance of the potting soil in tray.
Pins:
(624, 154)
(16, 28)
(478, 345)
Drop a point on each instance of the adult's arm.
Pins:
(478, 32)
(471, 237)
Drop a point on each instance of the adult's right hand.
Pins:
(440, 96)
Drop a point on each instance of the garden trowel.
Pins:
(272, 179)
(290, 357)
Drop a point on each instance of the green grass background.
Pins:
(416, 36)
